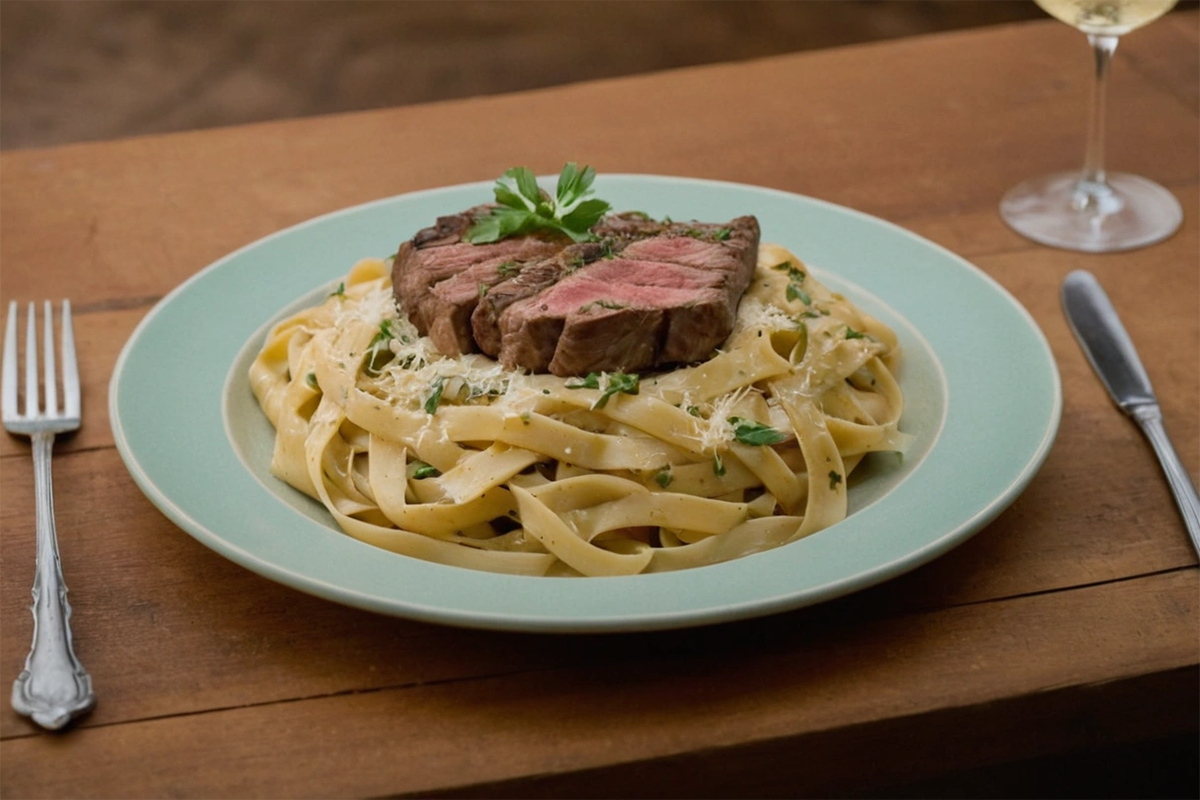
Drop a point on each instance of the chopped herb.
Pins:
(693, 410)
(435, 396)
(747, 431)
(525, 208)
(853, 334)
(311, 380)
(424, 471)
(794, 292)
(718, 466)
(545, 391)
(663, 477)
(722, 234)
(609, 304)
(378, 352)
(795, 278)
(612, 383)
(340, 291)
(508, 269)
(834, 479)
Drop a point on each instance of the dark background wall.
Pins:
(74, 70)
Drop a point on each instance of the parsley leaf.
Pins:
(525, 208)
(435, 396)
(379, 353)
(663, 477)
(834, 479)
(609, 383)
(747, 431)
(796, 277)
(794, 292)
(853, 334)
(424, 471)
(609, 304)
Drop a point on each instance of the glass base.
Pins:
(1063, 210)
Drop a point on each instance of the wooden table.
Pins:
(1069, 623)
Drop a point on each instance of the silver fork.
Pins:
(54, 688)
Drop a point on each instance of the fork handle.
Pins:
(54, 687)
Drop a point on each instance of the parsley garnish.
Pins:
(663, 477)
(424, 471)
(340, 291)
(378, 352)
(612, 383)
(795, 278)
(747, 431)
(609, 304)
(435, 396)
(794, 292)
(508, 269)
(311, 380)
(718, 465)
(525, 208)
(853, 334)
(834, 479)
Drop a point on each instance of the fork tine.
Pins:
(9, 402)
(50, 370)
(70, 367)
(32, 403)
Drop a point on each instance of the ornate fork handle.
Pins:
(54, 687)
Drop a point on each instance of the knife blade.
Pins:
(1112, 355)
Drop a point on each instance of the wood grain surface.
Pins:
(1071, 622)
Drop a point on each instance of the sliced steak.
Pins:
(526, 280)
(438, 278)
(648, 293)
(670, 298)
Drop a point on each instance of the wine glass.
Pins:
(1094, 210)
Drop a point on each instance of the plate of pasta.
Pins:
(307, 410)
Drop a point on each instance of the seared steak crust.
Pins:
(438, 278)
(645, 294)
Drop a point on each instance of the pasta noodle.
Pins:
(462, 462)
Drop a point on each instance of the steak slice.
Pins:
(438, 278)
(648, 293)
(526, 280)
(666, 299)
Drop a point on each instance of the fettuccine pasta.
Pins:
(463, 462)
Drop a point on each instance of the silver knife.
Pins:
(1110, 350)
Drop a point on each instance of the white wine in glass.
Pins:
(1094, 210)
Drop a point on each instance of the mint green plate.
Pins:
(983, 401)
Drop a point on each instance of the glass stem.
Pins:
(1094, 179)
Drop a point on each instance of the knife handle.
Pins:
(1149, 419)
